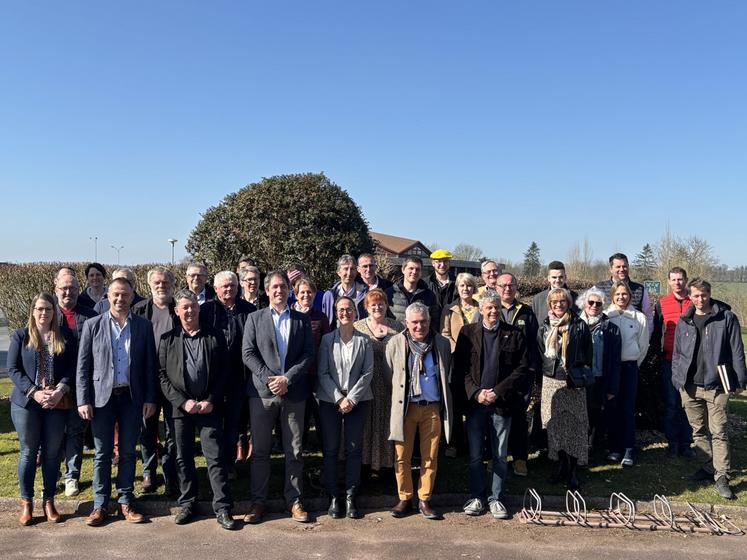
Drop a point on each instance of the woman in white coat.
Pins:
(344, 391)
(635, 339)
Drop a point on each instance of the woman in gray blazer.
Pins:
(344, 389)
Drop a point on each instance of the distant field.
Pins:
(732, 288)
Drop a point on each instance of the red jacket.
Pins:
(668, 311)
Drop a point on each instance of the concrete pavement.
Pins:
(375, 536)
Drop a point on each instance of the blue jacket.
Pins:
(22, 362)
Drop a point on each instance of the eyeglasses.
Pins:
(506, 286)
(490, 272)
(594, 303)
(43, 309)
(345, 311)
(558, 302)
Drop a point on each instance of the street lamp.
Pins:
(173, 242)
(95, 240)
(117, 249)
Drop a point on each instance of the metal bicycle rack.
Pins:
(622, 514)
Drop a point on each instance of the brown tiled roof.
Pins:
(394, 244)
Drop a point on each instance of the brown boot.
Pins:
(50, 511)
(240, 453)
(27, 512)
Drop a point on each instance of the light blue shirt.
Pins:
(428, 380)
(120, 351)
(281, 321)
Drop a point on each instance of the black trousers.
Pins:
(211, 436)
(149, 443)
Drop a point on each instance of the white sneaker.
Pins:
(498, 510)
(71, 487)
(474, 507)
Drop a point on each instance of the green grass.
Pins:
(654, 473)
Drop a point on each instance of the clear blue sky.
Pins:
(492, 123)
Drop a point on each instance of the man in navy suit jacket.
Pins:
(278, 349)
(117, 382)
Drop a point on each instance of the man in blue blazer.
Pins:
(278, 349)
(117, 382)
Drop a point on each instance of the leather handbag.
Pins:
(580, 376)
(65, 403)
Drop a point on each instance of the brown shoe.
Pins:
(97, 517)
(27, 512)
(148, 486)
(130, 514)
(51, 512)
(403, 507)
(240, 453)
(428, 512)
(298, 513)
(256, 513)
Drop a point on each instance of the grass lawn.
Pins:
(654, 473)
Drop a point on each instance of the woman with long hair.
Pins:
(41, 364)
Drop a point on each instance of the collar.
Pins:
(283, 312)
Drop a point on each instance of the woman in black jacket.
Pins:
(41, 364)
(564, 343)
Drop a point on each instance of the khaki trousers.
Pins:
(427, 421)
(706, 412)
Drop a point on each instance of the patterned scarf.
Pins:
(557, 339)
(419, 351)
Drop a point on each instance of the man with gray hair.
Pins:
(159, 310)
(73, 315)
(228, 313)
(418, 363)
(103, 304)
(489, 271)
(492, 359)
(197, 276)
(192, 372)
(347, 285)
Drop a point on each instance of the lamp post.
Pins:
(117, 249)
(95, 240)
(173, 242)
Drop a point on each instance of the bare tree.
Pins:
(467, 252)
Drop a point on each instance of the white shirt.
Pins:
(281, 321)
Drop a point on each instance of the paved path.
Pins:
(378, 535)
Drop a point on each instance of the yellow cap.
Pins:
(441, 254)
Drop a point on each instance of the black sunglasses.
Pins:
(594, 303)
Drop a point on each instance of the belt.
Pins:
(122, 390)
(425, 403)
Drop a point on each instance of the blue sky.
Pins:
(492, 123)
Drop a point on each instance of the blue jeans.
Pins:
(75, 434)
(332, 423)
(121, 409)
(482, 422)
(38, 428)
(621, 410)
(676, 427)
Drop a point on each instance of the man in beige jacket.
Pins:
(419, 362)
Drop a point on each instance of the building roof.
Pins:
(394, 244)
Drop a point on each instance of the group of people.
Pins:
(379, 365)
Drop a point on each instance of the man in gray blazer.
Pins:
(278, 349)
(117, 382)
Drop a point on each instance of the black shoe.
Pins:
(701, 475)
(352, 509)
(184, 516)
(687, 452)
(723, 488)
(335, 508)
(225, 520)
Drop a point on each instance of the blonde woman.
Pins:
(41, 364)
(635, 338)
